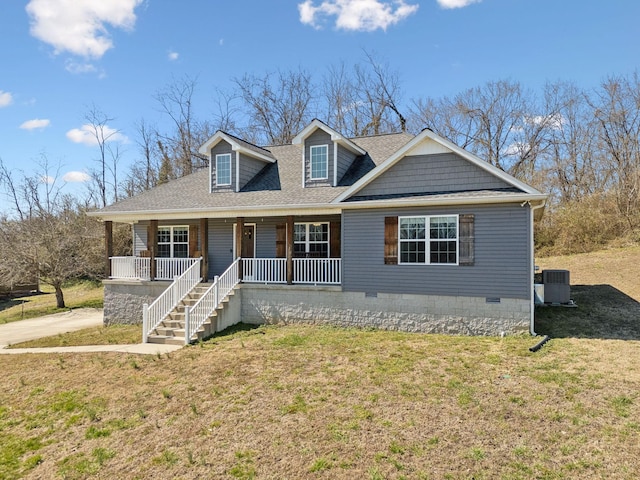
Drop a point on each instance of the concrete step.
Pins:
(165, 339)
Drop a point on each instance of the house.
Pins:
(390, 231)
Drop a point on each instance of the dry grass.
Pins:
(111, 335)
(78, 295)
(318, 402)
(606, 287)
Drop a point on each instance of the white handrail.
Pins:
(170, 298)
(195, 316)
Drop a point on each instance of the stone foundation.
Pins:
(410, 313)
(123, 299)
(263, 304)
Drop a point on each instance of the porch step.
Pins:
(171, 329)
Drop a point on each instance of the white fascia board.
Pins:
(227, 212)
(413, 202)
(335, 136)
(206, 147)
(399, 154)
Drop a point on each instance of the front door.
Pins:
(248, 241)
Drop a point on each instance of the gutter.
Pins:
(533, 266)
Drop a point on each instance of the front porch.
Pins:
(310, 271)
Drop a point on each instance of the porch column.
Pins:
(239, 240)
(290, 249)
(108, 246)
(204, 248)
(152, 246)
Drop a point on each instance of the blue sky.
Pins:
(60, 57)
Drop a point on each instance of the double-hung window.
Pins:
(311, 240)
(173, 242)
(223, 169)
(428, 239)
(319, 162)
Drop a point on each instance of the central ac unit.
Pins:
(556, 286)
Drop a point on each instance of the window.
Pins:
(223, 169)
(173, 242)
(311, 240)
(428, 240)
(319, 162)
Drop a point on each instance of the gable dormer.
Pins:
(233, 162)
(326, 154)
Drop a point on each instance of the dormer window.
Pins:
(223, 169)
(319, 162)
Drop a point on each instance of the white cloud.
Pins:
(554, 121)
(79, 68)
(76, 177)
(80, 27)
(35, 124)
(358, 15)
(86, 134)
(6, 99)
(221, 42)
(173, 56)
(47, 179)
(456, 3)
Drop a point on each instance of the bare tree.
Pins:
(574, 160)
(106, 175)
(364, 99)
(617, 112)
(50, 236)
(278, 105)
(181, 145)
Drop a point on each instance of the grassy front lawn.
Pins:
(321, 402)
(77, 295)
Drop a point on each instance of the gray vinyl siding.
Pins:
(319, 137)
(139, 238)
(249, 167)
(220, 237)
(502, 255)
(221, 148)
(444, 172)
(345, 159)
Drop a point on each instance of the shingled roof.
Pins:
(277, 186)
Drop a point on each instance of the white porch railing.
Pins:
(264, 270)
(153, 314)
(138, 268)
(195, 316)
(170, 268)
(317, 271)
(325, 271)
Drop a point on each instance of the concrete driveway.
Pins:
(32, 328)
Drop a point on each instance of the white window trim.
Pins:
(311, 149)
(218, 157)
(428, 240)
(307, 242)
(171, 243)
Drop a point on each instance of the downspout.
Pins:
(533, 267)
